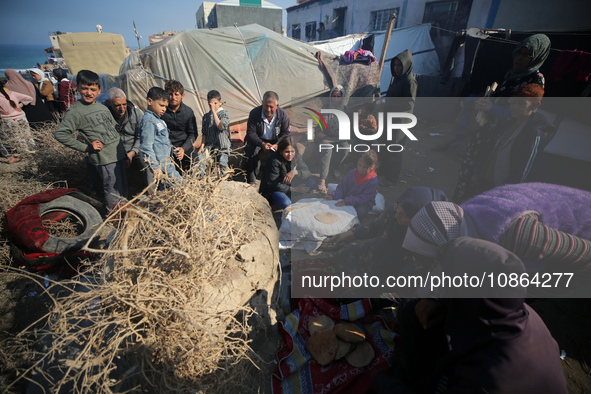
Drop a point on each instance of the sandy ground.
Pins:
(22, 301)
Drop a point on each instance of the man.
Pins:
(266, 125)
(181, 123)
(128, 118)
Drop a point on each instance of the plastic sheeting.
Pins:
(220, 59)
(416, 38)
(102, 53)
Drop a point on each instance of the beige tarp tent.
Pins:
(99, 52)
(241, 63)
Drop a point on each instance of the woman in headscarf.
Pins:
(385, 234)
(328, 159)
(528, 56)
(45, 88)
(16, 134)
(547, 226)
(36, 112)
(508, 151)
(66, 89)
(401, 96)
(481, 344)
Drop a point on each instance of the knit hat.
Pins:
(435, 225)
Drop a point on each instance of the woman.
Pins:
(547, 226)
(402, 93)
(487, 344)
(45, 88)
(66, 89)
(14, 123)
(506, 152)
(528, 56)
(335, 101)
(36, 112)
(285, 172)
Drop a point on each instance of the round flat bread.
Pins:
(326, 217)
(318, 323)
(323, 346)
(343, 349)
(349, 332)
(362, 356)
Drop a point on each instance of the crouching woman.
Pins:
(285, 172)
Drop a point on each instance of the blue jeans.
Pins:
(281, 200)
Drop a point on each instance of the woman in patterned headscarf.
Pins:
(547, 226)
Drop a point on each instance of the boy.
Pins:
(100, 139)
(215, 127)
(155, 145)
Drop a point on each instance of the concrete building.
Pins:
(241, 12)
(342, 17)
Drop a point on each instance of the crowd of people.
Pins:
(496, 217)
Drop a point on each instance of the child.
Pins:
(359, 187)
(100, 139)
(215, 127)
(155, 145)
(285, 172)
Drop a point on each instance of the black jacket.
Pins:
(276, 169)
(182, 126)
(255, 127)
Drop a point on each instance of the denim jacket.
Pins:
(154, 142)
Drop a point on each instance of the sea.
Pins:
(19, 56)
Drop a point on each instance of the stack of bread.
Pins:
(329, 341)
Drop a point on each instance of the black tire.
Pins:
(83, 211)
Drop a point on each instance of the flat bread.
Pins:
(362, 356)
(343, 349)
(349, 332)
(323, 346)
(318, 323)
(326, 217)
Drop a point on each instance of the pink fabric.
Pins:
(20, 100)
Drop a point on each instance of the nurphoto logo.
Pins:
(392, 124)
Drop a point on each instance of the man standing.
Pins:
(128, 118)
(266, 125)
(181, 123)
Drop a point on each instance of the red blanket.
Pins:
(298, 372)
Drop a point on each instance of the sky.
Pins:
(30, 22)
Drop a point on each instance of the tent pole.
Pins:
(386, 42)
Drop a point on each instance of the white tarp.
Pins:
(220, 59)
(415, 38)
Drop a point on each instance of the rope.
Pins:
(250, 61)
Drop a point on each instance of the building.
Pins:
(240, 12)
(154, 38)
(342, 17)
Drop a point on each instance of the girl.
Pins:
(66, 89)
(14, 123)
(285, 172)
(360, 186)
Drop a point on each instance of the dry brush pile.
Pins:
(165, 307)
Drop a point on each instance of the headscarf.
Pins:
(330, 103)
(17, 83)
(60, 74)
(434, 226)
(41, 74)
(415, 198)
(539, 46)
(405, 58)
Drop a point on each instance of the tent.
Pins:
(102, 53)
(241, 63)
